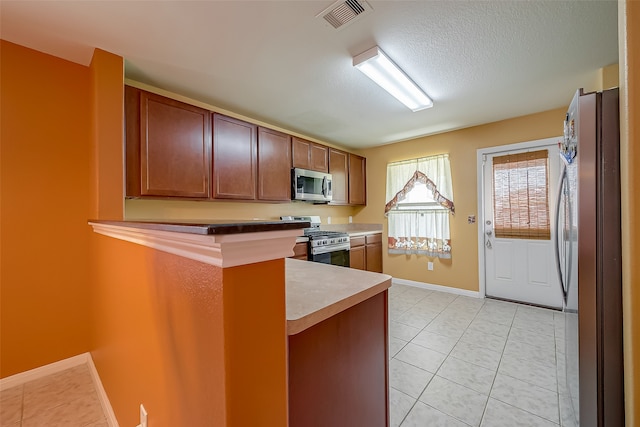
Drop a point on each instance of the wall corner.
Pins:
(107, 117)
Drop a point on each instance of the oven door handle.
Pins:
(317, 250)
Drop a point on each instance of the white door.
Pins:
(519, 268)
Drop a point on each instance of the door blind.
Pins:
(521, 196)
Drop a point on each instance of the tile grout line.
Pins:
(502, 352)
(439, 367)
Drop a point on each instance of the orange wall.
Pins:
(196, 344)
(629, 18)
(158, 334)
(255, 345)
(107, 92)
(46, 125)
(461, 271)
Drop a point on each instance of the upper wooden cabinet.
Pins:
(339, 170)
(168, 146)
(357, 180)
(309, 155)
(174, 149)
(274, 165)
(234, 158)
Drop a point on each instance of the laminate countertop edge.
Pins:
(316, 291)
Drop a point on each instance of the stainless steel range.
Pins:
(328, 247)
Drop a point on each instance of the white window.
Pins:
(419, 201)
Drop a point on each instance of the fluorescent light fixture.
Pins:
(376, 65)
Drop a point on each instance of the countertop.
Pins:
(317, 291)
(205, 227)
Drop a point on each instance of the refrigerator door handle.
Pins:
(563, 177)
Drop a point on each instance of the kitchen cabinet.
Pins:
(274, 165)
(338, 369)
(366, 252)
(168, 146)
(300, 251)
(339, 170)
(174, 149)
(309, 155)
(357, 256)
(234, 158)
(357, 180)
(373, 251)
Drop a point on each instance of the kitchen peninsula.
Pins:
(331, 352)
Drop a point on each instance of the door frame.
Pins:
(481, 153)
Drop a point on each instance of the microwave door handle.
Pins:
(324, 186)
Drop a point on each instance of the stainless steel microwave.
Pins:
(310, 186)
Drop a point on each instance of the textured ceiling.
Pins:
(275, 61)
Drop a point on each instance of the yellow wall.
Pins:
(461, 271)
(609, 76)
(136, 209)
(45, 304)
(629, 28)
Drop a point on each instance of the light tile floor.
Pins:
(461, 361)
(63, 399)
(455, 361)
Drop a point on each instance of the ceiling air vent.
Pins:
(342, 13)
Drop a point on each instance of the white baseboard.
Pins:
(440, 288)
(62, 365)
(102, 394)
(43, 371)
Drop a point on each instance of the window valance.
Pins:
(422, 228)
(434, 172)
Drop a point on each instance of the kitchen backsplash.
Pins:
(139, 209)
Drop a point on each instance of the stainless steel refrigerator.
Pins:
(588, 249)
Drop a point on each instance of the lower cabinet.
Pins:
(374, 252)
(366, 252)
(338, 369)
(357, 257)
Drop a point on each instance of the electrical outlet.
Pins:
(430, 266)
(143, 416)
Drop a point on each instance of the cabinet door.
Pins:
(175, 148)
(339, 170)
(357, 180)
(234, 158)
(374, 253)
(357, 258)
(308, 155)
(300, 151)
(274, 165)
(319, 158)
